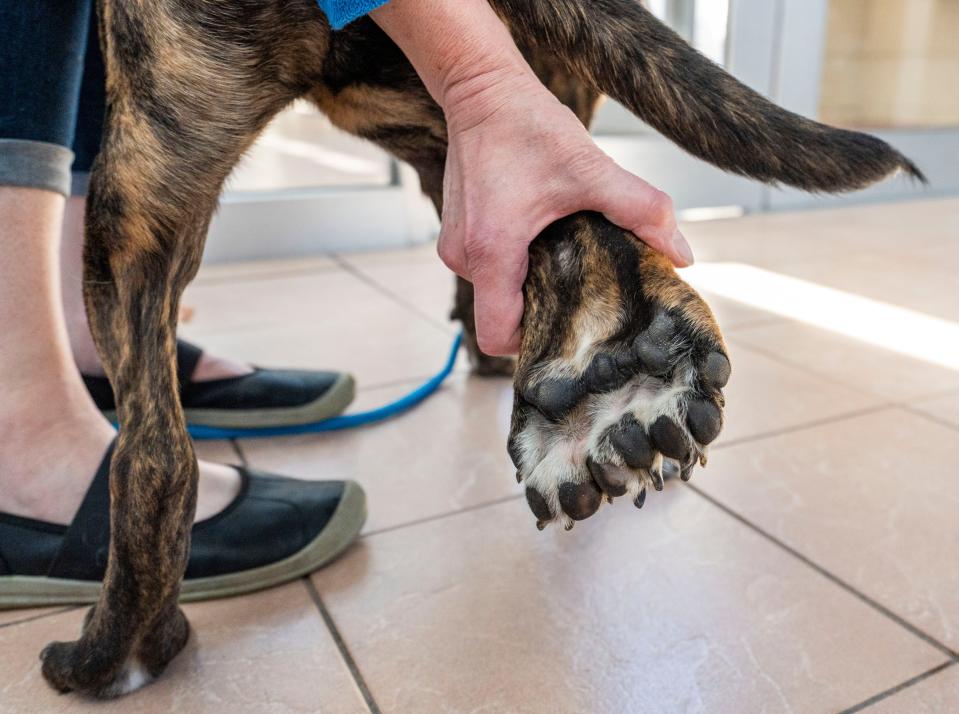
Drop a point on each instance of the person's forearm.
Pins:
(459, 48)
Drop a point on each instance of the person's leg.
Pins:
(52, 438)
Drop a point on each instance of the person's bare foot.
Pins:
(48, 457)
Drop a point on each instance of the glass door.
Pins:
(884, 66)
(888, 67)
(306, 188)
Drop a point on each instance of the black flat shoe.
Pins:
(275, 530)
(261, 399)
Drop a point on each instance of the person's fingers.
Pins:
(498, 273)
(637, 206)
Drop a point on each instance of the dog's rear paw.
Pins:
(620, 382)
(103, 665)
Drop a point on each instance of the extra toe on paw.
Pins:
(610, 478)
(580, 500)
(704, 419)
(669, 439)
(717, 370)
(539, 507)
(630, 440)
(554, 398)
(652, 346)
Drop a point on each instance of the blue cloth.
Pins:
(342, 12)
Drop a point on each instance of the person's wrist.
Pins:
(472, 96)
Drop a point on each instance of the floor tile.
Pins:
(327, 321)
(878, 371)
(924, 229)
(765, 395)
(416, 277)
(447, 454)
(267, 652)
(945, 408)
(873, 499)
(896, 277)
(677, 608)
(938, 694)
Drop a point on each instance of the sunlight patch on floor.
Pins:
(877, 323)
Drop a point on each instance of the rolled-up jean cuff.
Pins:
(35, 164)
(80, 184)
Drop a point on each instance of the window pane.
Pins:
(702, 22)
(301, 150)
(892, 63)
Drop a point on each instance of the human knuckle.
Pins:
(661, 208)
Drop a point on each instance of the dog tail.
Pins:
(622, 50)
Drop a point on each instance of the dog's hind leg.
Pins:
(179, 118)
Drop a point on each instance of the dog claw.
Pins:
(568, 527)
(657, 475)
(640, 499)
(540, 525)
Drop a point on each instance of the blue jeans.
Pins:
(51, 92)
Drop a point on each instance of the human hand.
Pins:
(517, 161)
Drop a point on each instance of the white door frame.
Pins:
(777, 48)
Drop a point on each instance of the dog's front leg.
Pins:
(620, 374)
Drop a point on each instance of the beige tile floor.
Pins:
(812, 567)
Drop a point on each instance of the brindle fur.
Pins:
(191, 83)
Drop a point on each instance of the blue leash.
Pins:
(348, 421)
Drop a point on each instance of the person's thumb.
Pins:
(497, 275)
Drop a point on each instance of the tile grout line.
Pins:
(383, 290)
(835, 579)
(929, 417)
(886, 693)
(40, 616)
(341, 646)
(865, 411)
(442, 516)
(267, 274)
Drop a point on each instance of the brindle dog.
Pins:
(622, 364)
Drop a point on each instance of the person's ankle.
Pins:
(47, 458)
(81, 343)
